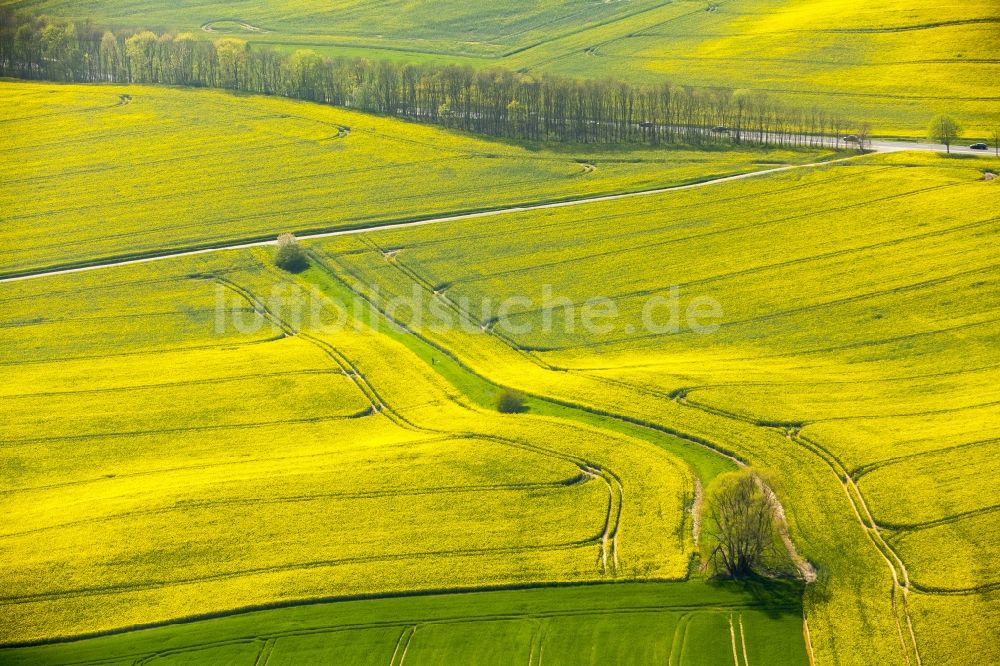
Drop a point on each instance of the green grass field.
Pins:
(893, 62)
(684, 624)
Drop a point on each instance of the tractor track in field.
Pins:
(608, 557)
(897, 569)
(402, 645)
(608, 539)
(435, 292)
(536, 646)
(266, 649)
(157, 255)
(346, 366)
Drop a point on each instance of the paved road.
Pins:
(879, 146)
(897, 146)
(816, 141)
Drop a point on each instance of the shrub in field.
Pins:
(290, 256)
(511, 402)
(742, 527)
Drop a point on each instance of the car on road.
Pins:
(850, 138)
(719, 129)
(979, 146)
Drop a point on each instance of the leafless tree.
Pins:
(864, 136)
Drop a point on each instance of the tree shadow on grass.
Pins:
(775, 596)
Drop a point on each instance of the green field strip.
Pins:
(517, 604)
(704, 458)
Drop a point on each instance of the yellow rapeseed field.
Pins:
(854, 355)
(158, 463)
(91, 172)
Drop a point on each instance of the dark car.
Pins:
(850, 138)
(979, 146)
(719, 129)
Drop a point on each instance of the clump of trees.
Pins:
(511, 402)
(290, 256)
(944, 129)
(741, 527)
(495, 101)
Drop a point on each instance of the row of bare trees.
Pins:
(494, 101)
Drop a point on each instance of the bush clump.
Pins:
(290, 256)
(511, 402)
